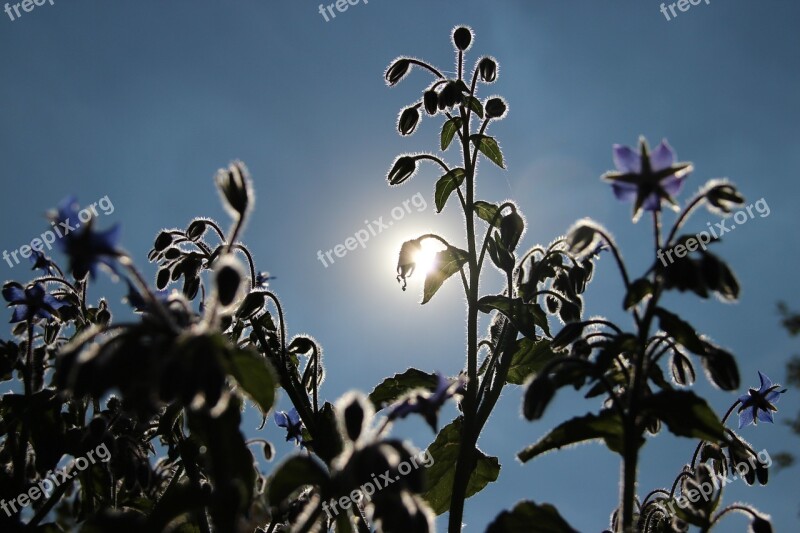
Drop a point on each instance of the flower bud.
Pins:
(450, 95)
(163, 240)
(538, 396)
(760, 525)
(462, 38)
(511, 228)
(196, 230)
(234, 185)
(495, 108)
(397, 71)
(228, 281)
(431, 101)
(409, 119)
(724, 197)
(487, 69)
(403, 168)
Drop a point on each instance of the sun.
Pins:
(426, 258)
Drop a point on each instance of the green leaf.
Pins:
(529, 358)
(446, 263)
(489, 147)
(686, 414)
(396, 386)
(526, 513)
(293, 474)
(525, 317)
(446, 185)
(488, 212)
(606, 425)
(449, 130)
(680, 330)
(440, 475)
(473, 103)
(255, 376)
(640, 289)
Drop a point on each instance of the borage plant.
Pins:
(624, 367)
(620, 366)
(545, 280)
(161, 396)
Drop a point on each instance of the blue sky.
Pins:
(143, 101)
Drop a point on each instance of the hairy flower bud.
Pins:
(450, 95)
(163, 240)
(397, 71)
(724, 197)
(228, 280)
(495, 108)
(538, 396)
(487, 69)
(409, 119)
(431, 101)
(462, 38)
(234, 185)
(403, 168)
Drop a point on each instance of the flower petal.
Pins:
(626, 159)
(281, 419)
(35, 293)
(745, 399)
(773, 396)
(673, 184)
(662, 157)
(652, 202)
(293, 417)
(53, 302)
(765, 382)
(14, 293)
(625, 192)
(68, 209)
(20, 314)
(765, 415)
(746, 417)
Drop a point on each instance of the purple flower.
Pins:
(647, 178)
(41, 262)
(30, 302)
(757, 404)
(138, 302)
(263, 279)
(293, 425)
(85, 247)
(428, 403)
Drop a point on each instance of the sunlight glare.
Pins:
(426, 257)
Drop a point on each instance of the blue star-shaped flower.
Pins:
(757, 404)
(41, 262)
(647, 178)
(85, 247)
(427, 403)
(263, 279)
(138, 302)
(30, 302)
(293, 425)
